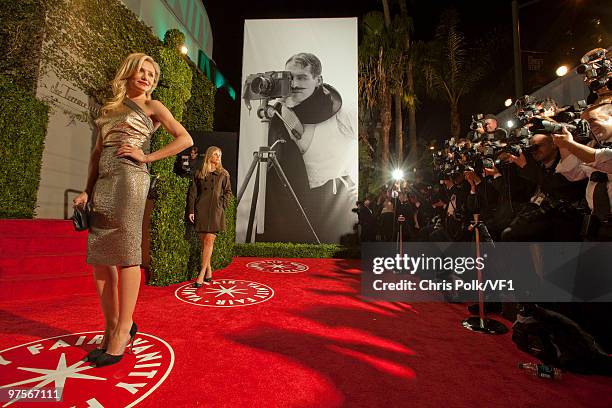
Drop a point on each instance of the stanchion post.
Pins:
(481, 324)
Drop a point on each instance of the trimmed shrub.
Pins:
(169, 248)
(23, 127)
(289, 250)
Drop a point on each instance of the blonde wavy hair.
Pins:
(129, 67)
(203, 170)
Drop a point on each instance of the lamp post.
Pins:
(518, 68)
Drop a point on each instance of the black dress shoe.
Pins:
(94, 354)
(106, 359)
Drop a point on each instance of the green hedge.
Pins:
(289, 250)
(23, 127)
(201, 107)
(169, 248)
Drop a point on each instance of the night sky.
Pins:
(549, 29)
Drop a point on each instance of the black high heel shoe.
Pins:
(106, 359)
(208, 278)
(197, 285)
(95, 353)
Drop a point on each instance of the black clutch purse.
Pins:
(80, 218)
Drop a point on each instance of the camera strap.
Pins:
(291, 121)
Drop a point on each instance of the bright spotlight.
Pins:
(184, 50)
(510, 124)
(562, 70)
(398, 174)
(508, 102)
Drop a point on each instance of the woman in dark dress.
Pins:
(209, 194)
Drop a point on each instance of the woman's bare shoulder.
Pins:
(155, 106)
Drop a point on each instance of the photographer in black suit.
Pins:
(551, 213)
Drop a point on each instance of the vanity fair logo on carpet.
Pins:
(277, 266)
(57, 363)
(225, 293)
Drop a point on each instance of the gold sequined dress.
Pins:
(120, 193)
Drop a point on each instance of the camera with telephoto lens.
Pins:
(477, 121)
(579, 128)
(526, 108)
(267, 85)
(596, 66)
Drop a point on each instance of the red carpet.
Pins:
(296, 338)
(314, 343)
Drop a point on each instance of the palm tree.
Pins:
(409, 93)
(374, 67)
(451, 69)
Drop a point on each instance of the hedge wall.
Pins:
(169, 248)
(23, 127)
(200, 109)
(289, 250)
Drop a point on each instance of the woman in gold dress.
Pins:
(117, 187)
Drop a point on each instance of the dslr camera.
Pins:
(477, 121)
(267, 85)
(596, 66)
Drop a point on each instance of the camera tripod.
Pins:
(267, 154)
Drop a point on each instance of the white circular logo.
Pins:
(42, 370)
(278, 266)
(225, 293)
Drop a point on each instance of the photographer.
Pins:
(456, 215)
(405, 210)
(367, 220)
(551, 213)
(486, 129)
(581, 162)
(483, 199)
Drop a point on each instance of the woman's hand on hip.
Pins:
(81, 199)
(134, 152)
(192, 218)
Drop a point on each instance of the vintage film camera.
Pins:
(267, 85)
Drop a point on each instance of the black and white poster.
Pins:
(299, 96)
